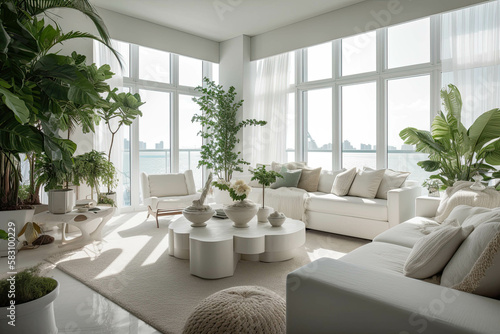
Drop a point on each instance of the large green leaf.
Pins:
(485, 128)
(491, 152)
(452, 101)
(429, 165)
(15, 104)
(18, 138)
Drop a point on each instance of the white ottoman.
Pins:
(241, 309)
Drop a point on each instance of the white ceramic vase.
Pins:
(36, 316)
(198, 218)
(61, 200)
(241, 212)
(263, 213)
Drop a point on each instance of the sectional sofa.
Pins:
(366, 291)
(322, 210)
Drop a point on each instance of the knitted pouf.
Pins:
(241, 309)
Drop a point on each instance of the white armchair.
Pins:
(168, 194)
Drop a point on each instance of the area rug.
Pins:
(133, 269)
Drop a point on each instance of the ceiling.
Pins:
(220, 20)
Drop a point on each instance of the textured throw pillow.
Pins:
(290, 178)
(391, 180)
(326, 179)
(462, 194)
(475, 267)
(366, 183)
(276, 166)
(431, 253)
(343, 181)
(309, 179)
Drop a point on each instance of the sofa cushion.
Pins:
(379, 256)
(432, 252)
(326, 179)
(391, 180)
(366, 183)
(462, 194)
(460, 213)
(162, 185)
(309, 179)
(407, 233)
(290, 178)
(482, 216)
(343, 182)
(475, 267)
(375, 209)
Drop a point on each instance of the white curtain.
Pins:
(470, 53)
(269, 101)
(102, 136)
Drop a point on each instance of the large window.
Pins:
(163, 140)
(382, 81)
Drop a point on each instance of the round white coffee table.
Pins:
(214, 250)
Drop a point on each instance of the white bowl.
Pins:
(198, 218)
(276, 221)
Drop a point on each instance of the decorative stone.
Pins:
(276, 219)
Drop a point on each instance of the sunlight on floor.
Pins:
(319, 253)
(157, 252)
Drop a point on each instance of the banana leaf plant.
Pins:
(457, 153)
(38, 86)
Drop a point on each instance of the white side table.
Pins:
(214, 250)
(426, 206)
(90, 223)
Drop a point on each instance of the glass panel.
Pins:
(408, 105)
(359, 132)
(124, 175)
(154, 133)
(359, 54)
(154, 65)
(319, 62)
(319, 128)
(190, 71)
(215, 73)
(189, 141)
(290, 128)
(409, 43)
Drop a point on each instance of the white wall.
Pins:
(348, 21)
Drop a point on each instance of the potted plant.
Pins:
(35, 84)
(265, 178)
(432, 186)
(93, 168)
(243, 210)
(31, 296)
(456, 152)
(220, 129)
(120, 109)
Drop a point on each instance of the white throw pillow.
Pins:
(461, 212)
(482, 216)
(276, 166)
(391, 180)
(475, 267)
(366, 183)
(326, 179)
(162, 185)
(431, 253)
(343, 181)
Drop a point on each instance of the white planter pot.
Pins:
(61, 200)
(111, 196)
(198, 218)
(222, 197)
(241, 212)
(36, 316)
(263, 213)
(19, 218)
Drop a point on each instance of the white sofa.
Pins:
(348, 215)
(366, 292)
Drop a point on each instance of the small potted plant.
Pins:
(33, 303)
(265, 178)
(243, 210)
(432, 186)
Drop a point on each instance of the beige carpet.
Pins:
(133, 269)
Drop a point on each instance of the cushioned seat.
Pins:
(368, 208)
(379, 256)
(407, 233)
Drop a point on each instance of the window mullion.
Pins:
(174, 115)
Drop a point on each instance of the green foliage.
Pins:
(93, 168)
(456, 152)
(265, 177)
(41, 92)
(29, 286)
(3, 235)
(105, 200)
(220, 129)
